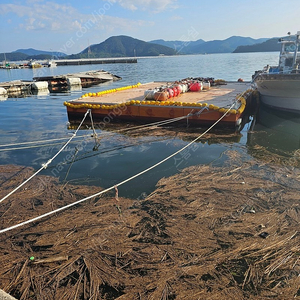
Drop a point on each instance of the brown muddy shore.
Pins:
(205, 233)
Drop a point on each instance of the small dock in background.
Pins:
(61, 83)
(52, 84)
(94, 61)
(68, 62)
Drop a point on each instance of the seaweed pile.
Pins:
(206, 233)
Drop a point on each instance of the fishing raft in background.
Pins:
(194, 101)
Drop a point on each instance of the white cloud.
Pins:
(38, 14)
(48, 15)
(17, 9)
(176, 18)
(55, 26)
(70, 27)
(114, 23)
(154, 6)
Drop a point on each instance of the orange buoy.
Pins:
(161, 96)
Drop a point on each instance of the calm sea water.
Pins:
(43, 117)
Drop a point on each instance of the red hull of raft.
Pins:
(140, 113)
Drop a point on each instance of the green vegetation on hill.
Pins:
(124, 46)
(267, 46)
(226, 46)
(182, 47)
(216, 46)
(13, 56)
(28, 54)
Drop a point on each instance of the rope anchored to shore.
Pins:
(36, 144)
(116, 185)
(44, 166)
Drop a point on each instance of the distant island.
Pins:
(28, 54)
(216, 46)
(125, 46)
(267, 46)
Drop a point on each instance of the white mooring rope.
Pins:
(44, 166)
(120, 183)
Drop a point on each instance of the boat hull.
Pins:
(280, 91)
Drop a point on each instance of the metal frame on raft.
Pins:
(200, 113)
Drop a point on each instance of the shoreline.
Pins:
(205, 233)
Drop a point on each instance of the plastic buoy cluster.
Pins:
(170, 91)
(162, 96)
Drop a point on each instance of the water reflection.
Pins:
(3, 98)
(44, 92)
(275, 135)
(119, 156)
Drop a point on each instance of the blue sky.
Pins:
(70, 26)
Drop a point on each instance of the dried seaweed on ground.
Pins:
(206, 233)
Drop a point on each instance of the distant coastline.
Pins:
(125, 46)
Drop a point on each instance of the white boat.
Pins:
(279, 86)
(51, 64)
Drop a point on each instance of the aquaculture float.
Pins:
(187, 101)
(59, 83)
(22, 88)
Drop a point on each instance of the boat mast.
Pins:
(296, 51)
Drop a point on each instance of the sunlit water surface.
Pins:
(119, 156)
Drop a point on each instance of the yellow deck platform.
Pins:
(129, 103)
(220, 95)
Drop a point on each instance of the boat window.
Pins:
(289, 47)
(289, 62)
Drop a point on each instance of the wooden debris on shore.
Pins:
(197, 236)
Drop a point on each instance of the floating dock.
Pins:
(130, 103)
(59, 83)
(15, 88)
(83, 79)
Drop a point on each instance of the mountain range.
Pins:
(27, 54)
(121, 46)
(125, 46)
(215, 46)
(267, 46)
(32, 52)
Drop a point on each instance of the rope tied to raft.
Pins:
(198, 113)
(120, 183)
(97, 143)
